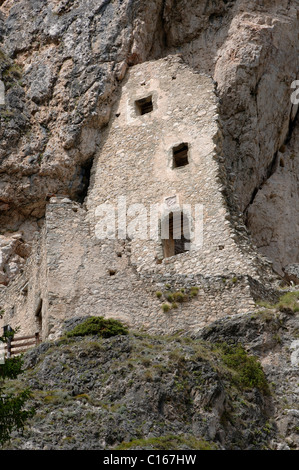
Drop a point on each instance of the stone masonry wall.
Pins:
(135, 163)
(73, 272)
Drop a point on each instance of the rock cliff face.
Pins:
(62, 63)
(142, 392)
(167, 392)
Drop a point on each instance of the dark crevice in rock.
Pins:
(292, 124)
(162, 22)
(85, 180)
(269, 172)
(274, 163)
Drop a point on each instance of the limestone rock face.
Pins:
(292, 272)
(243, 46)
(273, 214)
(13, 253)
(62, 64)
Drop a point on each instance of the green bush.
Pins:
(99, 326)
(247, 371)
(289, 301)
(166, 307)
(13, 412)
(179, 297)
(194, 291)
(169, 297)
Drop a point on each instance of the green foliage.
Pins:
(169, 297)
(289, 301)
(172, 298)
(194, 291)
(246, 370)
(9, 334)
(99, 326)
(11, 368)
(13, 70)
(179, 296)
(83, 397)
(12, 413)
(166, 307)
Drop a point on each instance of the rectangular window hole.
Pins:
(144, 106)
(180, 155)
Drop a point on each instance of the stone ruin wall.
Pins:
(135, 162)
(74, 273)
(70, 273)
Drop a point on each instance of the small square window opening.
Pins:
(144, 106)
(180, 155)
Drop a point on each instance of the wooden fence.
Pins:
(18, 345)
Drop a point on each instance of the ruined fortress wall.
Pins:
(135, 163)
(76, 281)
(73, 272)
(21, 299)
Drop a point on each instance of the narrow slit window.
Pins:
(38, 316)
(180, 155)
(144, 106)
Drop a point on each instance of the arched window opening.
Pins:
(175, 234)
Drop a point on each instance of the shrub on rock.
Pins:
(99, 326)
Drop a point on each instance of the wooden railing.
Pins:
(17, 345)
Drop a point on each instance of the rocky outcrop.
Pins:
(13, 254)
(62, 63)
(138, 391)
(271, 335)
(69, 58)
(292, 273)
(167, 392)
